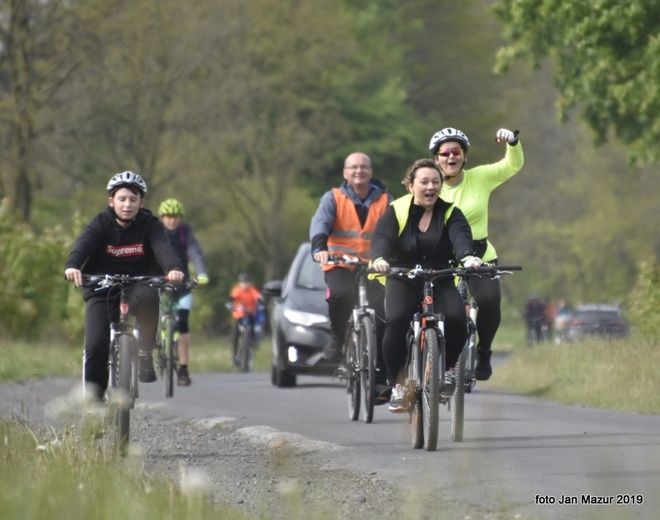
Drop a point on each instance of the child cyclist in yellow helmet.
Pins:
(187, 247)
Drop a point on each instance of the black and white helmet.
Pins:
(448, 134)
(127, 179)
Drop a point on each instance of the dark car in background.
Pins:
(300, 327)
(597, 320)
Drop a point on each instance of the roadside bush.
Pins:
(32, 290)
(644, 299)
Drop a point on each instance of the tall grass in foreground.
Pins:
(71, 478)
(619, 375)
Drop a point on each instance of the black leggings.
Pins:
(486, 292)
(402, 301)
(99, 311)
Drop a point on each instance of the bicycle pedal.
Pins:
(340, 372)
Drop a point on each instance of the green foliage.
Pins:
(607, 57)
(246, 119)
(644, 300)
(31, 293)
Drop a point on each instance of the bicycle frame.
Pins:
(362, 308)
(168, 355)
(421, 322)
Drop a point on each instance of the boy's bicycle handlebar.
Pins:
(105, 281)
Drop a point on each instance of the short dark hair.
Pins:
(420, 163)
(132, 187)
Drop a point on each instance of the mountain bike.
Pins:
(360, 355)
(467, 361)
(168, 334)
(123, 354)
(247, 340)
(426, 365)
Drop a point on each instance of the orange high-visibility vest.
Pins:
(347, 236)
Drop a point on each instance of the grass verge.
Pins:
(21, 361)
(618, 375)
(71, 478)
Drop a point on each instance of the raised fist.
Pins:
(506, 135)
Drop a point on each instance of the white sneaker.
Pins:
(398, 400)
(450, 383)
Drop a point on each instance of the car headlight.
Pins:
(306, 319)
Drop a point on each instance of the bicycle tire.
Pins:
(415, 397)
(168, 347)
(351, 360)
(430, 385)
(368, 366)
(123, 402)
(458, 398)
(471, 355)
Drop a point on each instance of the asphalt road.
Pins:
(519, 454)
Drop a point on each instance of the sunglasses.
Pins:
(449, 151)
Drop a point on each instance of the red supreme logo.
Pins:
(124, 251)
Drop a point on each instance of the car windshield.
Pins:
(595, 316)
(311, 275)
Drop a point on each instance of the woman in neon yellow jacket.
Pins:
(420, 229)
(470, 191)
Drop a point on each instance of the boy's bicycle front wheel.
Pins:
(123, 400)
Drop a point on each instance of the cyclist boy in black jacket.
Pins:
(123, 239)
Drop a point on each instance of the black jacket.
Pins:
(401, 250)
(141, 248)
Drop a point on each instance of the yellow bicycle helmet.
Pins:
(170, 207)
